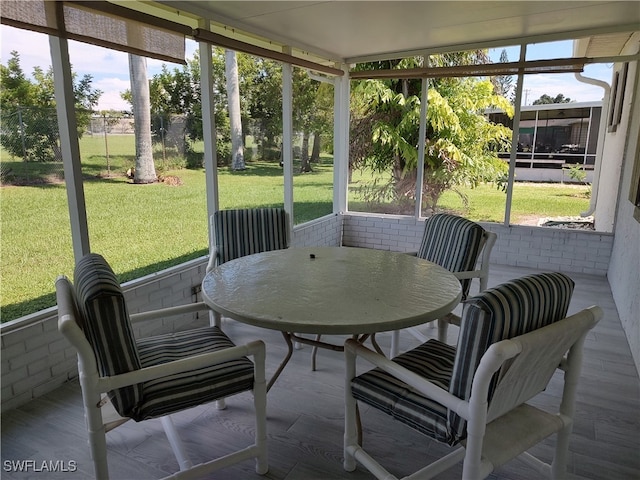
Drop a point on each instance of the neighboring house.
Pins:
(554, 137)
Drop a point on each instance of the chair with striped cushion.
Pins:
(236, 233)
(241, 232)
(461, 246)
(156, 376)
(512, 340)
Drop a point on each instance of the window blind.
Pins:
(102, 24)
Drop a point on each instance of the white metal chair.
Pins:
(512, 340)
(156, 376)
(461, 246)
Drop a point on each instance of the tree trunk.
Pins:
(305, 166)
(315, 151)
(233, 99)
(145, 170)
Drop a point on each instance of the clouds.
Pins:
(566, 83)
(553, 84)
(33, 48)
(111, 88)
(108, 68)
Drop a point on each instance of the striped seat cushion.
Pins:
(506, 311)
(432, 360)
(105, 321)
(453, 243)
(172, 393)
(243, 232)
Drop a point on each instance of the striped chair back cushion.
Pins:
(506, 311)
(107, 327)
(243, 232)
(453, 243)
(511, 309)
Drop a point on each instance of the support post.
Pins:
(287, 137)
(71, 160)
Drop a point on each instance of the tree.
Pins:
(235, 119)
(265, 105)
(176, 92)
(503, 84)
(323, 118)
(145, 171)
(546, 99)
(304, 96)
(461, 144)
(29, 127)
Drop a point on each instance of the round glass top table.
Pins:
(330, 291)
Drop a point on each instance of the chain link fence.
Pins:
(31, 151)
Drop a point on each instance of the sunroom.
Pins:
(327, 38)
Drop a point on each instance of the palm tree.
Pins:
(233, 99)
(145, 170)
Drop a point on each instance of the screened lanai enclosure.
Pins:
(409, 59)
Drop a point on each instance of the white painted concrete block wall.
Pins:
(530, 247)
(36, 358)
(552, 249)
(325, 231)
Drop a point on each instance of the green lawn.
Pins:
(144, 228)
(138, 228)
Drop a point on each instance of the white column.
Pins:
(514, 139)
(421, 141)
(209, 129)
(341, 113)
(68, 129)
(287, 136)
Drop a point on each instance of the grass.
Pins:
(530, 201)
(141, 229)
(487, 203)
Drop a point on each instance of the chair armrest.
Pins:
(255, 348)
(354, 349)
(213, 259)
(468, 274)
(168, 312)
(452, 319)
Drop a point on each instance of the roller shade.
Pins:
(102, 24)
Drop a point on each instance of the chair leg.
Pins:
(476, 428)
(350, 415)
(176, 443)
(215, 319)
(559, 465)
(260, 406)
(314, 353)
(443, 327)
(95, 429)
(395, 344)
(98, 449)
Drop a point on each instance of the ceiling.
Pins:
(353, 31)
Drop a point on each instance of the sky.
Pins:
(110, 69)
